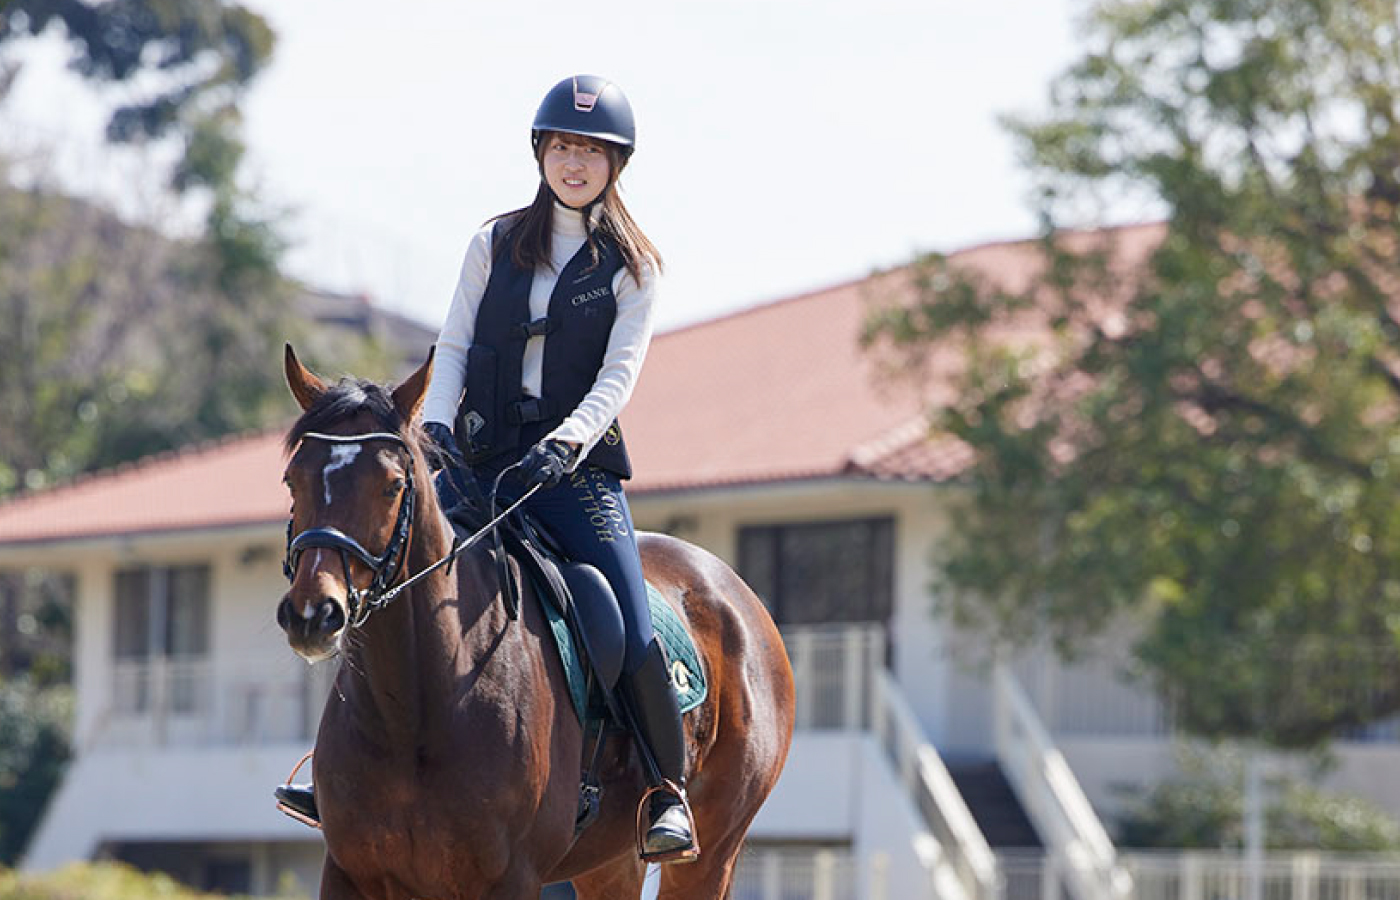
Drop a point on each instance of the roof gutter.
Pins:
(47, 549)
(771, 487)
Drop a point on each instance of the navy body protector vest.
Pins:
(496, 418)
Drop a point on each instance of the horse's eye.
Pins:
(394, 487)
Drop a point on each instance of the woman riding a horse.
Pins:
(539, 352)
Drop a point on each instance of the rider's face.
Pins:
(576, 168)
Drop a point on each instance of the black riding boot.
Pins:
(299, 802)
(670, 833)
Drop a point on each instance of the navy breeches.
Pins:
(587, 514)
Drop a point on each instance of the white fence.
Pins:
(1293, 876)
(790, 874)
(832, 874)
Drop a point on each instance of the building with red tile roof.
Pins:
(776, 393)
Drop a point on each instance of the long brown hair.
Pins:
(532, 226)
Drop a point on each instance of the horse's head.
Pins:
(355, 472)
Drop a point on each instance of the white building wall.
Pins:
(817, 797)
(182, 795)
(952, 700)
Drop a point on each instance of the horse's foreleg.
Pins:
(709, 877)
(336, 885)
(514, 888)
(620, 879)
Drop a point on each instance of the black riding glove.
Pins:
(445, 443)
(545, 463)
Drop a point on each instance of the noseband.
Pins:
(387, 566)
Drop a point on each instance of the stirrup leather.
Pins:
(680, 854)
(293, 813)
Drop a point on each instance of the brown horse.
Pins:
(449, 755)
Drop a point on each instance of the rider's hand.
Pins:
(445, 443)
(546, 463)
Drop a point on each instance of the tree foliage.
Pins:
(192, 57)
(1203, 429)
(120, 342)
(124, 341)
(1201, 809)
(33, 753)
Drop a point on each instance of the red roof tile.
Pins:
(230, 482)
(774, 393)
(781, 391)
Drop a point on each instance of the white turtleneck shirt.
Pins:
(622, 361)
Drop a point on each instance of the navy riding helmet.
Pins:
(590, 106)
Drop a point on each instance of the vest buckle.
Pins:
(537, 328)
(528, 410)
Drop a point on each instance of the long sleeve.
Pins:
(622, 363)
(450, 360)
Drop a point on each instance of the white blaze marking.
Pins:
(342, 455)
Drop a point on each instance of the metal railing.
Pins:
(792, 873)
(960, 845)
(1092, 697)
(162, 701)
(1196, 875)
(797, 873)
(842, 683)
(834, 667)
(1053, 798)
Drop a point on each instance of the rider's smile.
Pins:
(576, 169)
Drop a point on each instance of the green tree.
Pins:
(194, 58)
(127, 342)
(1203, 431)
(33, 753)
(1201, 809)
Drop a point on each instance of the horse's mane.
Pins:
(346, 398)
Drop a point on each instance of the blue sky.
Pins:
(783, 145)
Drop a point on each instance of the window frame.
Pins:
(777, 595)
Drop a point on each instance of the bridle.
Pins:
(386, 566)
(390, 564)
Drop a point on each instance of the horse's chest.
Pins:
(426, 828)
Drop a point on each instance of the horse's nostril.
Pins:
(329, 618)
(284, 613)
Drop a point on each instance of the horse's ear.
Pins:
(408, 397)
(306, 387)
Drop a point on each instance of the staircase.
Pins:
(994, 806)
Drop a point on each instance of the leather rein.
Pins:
(389, 565)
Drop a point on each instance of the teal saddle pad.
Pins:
(682, 659)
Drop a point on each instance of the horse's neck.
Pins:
(403, 661)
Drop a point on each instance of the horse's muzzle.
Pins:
(312, 632)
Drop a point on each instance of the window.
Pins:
(162, 614)
(816, 572)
